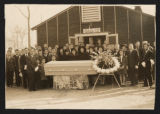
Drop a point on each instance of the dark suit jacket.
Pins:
(146, 58)
(9, 64)
(46, 58)
(67, 57)
(132, 59)
(83, 56)
(16, 63)
(31, 64)
(23, 62)
(140, 54)
(61, 58)
(74, 57)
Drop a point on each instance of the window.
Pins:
(113, 39)
(91, 13)
(73, 40)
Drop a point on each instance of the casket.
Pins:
(69, 68)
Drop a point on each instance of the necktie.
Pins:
(121, 58)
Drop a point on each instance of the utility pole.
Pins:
(29, 37)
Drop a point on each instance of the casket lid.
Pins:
(69, 67)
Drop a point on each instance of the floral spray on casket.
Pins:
(105, 63)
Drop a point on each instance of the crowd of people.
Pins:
(27, 65)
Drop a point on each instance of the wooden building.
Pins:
(88, 23)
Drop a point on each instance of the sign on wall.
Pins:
(91, 30)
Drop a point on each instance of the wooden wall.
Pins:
(127, 23)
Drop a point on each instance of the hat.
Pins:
(124, 45)
(145, 43)
(16, 49)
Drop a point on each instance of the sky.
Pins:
(39, 13)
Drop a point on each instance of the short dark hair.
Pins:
(16, 50)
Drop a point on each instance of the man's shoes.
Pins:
(144, 86)
(123, 85)
(151, 87)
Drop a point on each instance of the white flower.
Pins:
(107, 71)
(98, 70)
(103, 71)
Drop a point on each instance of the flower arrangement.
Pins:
(104, 62)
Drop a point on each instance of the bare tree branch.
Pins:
(28, 21)
(21, 12)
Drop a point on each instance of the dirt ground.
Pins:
(104, 97)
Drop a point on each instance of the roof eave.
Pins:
(35, 27)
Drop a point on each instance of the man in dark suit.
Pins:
(116, 50)
(17, 67)
(31, 69)
(9, 68)
(23, 64)
(45, 55)
(132, 64)
(139, 52)
(147, 60)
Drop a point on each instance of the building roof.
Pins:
(35, 27)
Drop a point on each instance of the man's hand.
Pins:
(136, 66)
(25, 67)
(143, 64)
(152, 61)
(36, 69)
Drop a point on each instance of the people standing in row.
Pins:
(29, 66)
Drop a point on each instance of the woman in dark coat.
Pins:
(61, 56)
(74, 55)
(67, 55)
(83, 55)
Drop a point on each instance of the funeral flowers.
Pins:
(104, 62)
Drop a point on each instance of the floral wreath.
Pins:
(105, 63)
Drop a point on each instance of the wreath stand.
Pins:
(100, 74)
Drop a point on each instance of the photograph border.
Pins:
(2, 54)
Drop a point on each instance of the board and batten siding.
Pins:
(41, 35)
(108, 15)
(148, 28)
(121, 25)
(62, 29)
(74, 21)
(52, 32)
(127, 23)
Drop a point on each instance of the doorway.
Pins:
(93, 40)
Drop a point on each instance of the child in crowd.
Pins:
(43, 78)
(123, 68)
